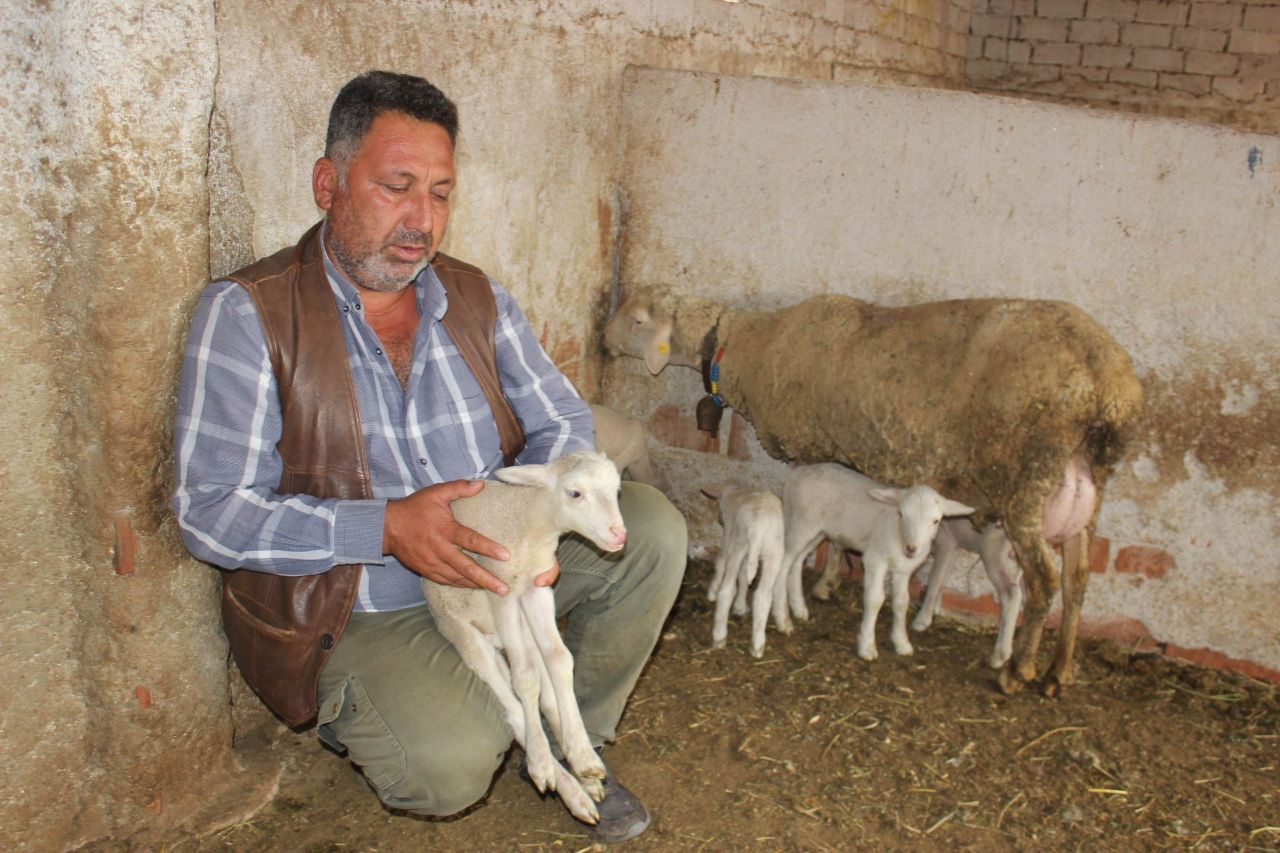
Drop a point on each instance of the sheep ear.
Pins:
(525, 475)
(714, 490)
(657, 351)
(951, 508)
(892, 497)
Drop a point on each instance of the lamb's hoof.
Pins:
(905, 651)
(800, 613)
(711, 595)
(919, 624)
(868, 654)
(719, 643)
(1052, 685)
(997, 660)
(577, 799)
(821, 593)
(757, 652)
(594, 788)
(741, 610)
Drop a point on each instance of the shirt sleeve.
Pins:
(555, 418)
(226, 464)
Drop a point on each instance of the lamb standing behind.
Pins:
(1019, 408)
(753, 538)
(527, 512)
(622, 439)
(996, 553)
(892, 529)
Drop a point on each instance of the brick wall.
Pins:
(1214, 61)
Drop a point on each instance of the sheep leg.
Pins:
(795, 591)
(1042, 582)
(900, 578)
(538, 607)
(1075, 575)
(771, 593)
(873, 576)
(746, 574)
(1006, 579)
(829, 555)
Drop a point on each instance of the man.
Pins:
(335, 397)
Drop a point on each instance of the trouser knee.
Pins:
(439, 788)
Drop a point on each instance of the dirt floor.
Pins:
(811, 748)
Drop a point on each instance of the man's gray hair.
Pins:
(373, 93)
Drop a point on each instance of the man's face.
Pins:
(387, 219)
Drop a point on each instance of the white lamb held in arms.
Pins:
(753, 540)
(527, 512)
(892, 529)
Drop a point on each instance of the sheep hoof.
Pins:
(719, 642)
(1009, 681)
(741, 610)
(921, 624)
(868, 654)
(757, 652)
(904, 650)
(821, 593)
(997, 660)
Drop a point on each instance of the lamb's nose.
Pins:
(910, 549)
(619, 533)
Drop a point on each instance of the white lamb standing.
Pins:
(753, 539)
(955, 535)
(996, 552)
(527, 512)
(622, 439)
(893, 530)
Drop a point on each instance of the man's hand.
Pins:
(548, 577)
(421, 532)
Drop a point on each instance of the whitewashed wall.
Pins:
(763, 192)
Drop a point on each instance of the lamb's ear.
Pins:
(892, 497)
(525, 475)
(952, 508)
(657, 350)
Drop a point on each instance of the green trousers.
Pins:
(429, 735)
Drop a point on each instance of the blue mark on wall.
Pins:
(1255, 160)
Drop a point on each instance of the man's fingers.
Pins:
(480, 544)
(472, 574)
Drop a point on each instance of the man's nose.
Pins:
(421, 216)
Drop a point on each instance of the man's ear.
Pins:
(324, 182)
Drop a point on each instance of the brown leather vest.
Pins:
(283, 629)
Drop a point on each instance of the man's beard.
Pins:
(373, 271)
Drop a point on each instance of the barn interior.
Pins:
(1121, 155)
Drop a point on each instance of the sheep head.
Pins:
(639, 330)
(584, 489)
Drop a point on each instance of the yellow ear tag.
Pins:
(663, 349)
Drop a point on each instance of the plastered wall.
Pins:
(151, 145)
(771, 191)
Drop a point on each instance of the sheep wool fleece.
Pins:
(429, 734)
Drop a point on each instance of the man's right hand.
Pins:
(421, 532)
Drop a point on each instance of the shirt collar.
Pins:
(430, 292)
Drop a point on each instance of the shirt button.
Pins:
(422, 460)
(346, 309)
(378, 351)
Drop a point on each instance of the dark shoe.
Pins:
(622, 815)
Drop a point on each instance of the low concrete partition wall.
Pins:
(762, 192)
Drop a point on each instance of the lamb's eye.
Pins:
(575, 494)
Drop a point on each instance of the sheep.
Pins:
(527, 511)
(1019, 408)
(892, 529)
(955, 534)
(753, 537)
(622, 439)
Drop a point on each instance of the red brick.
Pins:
(1213, 64)
(1113, 10)
(143, 695)
(1060, 8)
(1217, 660)
(1095, 32)
(1158, 59)
(1042, 29)
(1216, 16)
(1107, 56)
(1099, 552)
(738, 438)
(1147, 35)
(1262, 19)
(126, 550)
(675, 430)
(1056, 54)
(1158, 12)
(981, 604)
(1144, 560)
(1244, 41)
(1199, 38)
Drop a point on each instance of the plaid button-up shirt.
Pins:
(437, 428)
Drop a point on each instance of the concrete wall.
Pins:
(770, 191)
(149, 145)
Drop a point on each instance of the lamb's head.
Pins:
(583, 487)
(640, 330)
(920, 511)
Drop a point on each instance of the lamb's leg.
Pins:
(900, 577)
(944, 560)
(525, 682)
(1006, 578)
(1075, 575)
(538, 605)
(729, 571)
(795, 590)
(771, 594)
(873, 575)
(746, 573)
(831, 557)
(717, 576)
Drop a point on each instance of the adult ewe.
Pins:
(1018, 408)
